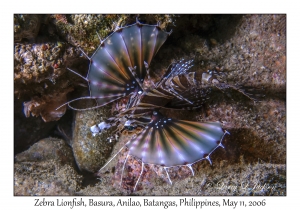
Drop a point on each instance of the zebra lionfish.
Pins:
(119, 69)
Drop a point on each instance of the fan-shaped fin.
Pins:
(127, 48)
(170, 142)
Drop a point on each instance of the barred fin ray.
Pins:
(85, 98)
(123, 169)
(171, 81)
(74, 72)
(157, 93)
(168, 175)
(190, 167)
(139, 177)
(177, 81)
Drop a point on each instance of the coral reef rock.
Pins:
(46, 168)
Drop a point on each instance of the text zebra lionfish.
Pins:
(119, 69)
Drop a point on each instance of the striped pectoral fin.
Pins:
(119, 65)
(171, 142)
